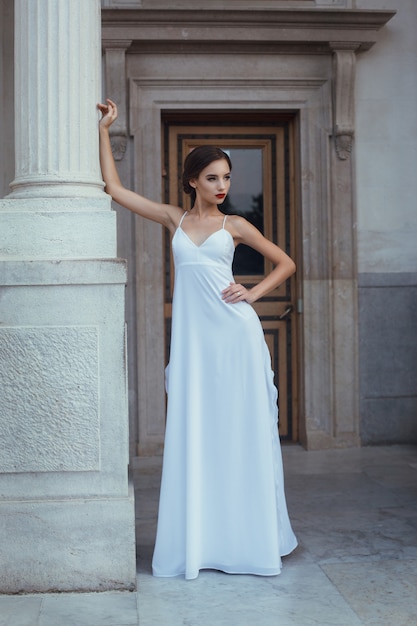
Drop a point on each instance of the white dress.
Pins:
(222, 503)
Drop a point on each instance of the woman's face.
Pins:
(213, 183)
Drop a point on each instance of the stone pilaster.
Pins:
(66, 508)
(115, 71)
(344, 293)
(344, 63)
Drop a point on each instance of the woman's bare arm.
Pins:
(165, 214)
(244, 232)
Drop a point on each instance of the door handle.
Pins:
(286, 313)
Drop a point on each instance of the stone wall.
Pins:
(384, 155)
(388, 351)
(386, 150)
(185, 62)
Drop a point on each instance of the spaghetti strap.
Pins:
(182, 217)
(224, 221)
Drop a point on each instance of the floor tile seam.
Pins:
(45, 620)
(38, 619)
(84, 594)
(37, 610)
(342, 595)
(381, 482)
(373, 482)
(409, 522)
(369, 560)
(354, 465)
(363, 562)
(393, 491)
(396, 513)
(90, 623)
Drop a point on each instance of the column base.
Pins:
(320, 440)
(74, 545)
(67, 515)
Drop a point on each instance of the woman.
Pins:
(222, 503)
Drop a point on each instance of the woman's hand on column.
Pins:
(108, 113)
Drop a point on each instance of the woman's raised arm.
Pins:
(165, 214)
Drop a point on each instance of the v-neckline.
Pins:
(206, 239)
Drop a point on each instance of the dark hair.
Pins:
(196, 161)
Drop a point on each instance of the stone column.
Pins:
(66, 508)
(57, 65)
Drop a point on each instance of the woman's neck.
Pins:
(203, 211)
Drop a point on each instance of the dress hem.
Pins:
(225, 570)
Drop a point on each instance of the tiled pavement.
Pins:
(355, 514)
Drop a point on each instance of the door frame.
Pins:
(273, 134)
(326, 265)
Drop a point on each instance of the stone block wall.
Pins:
(388, 358)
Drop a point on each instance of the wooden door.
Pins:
(262, 155)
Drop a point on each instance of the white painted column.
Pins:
(57, 208)
(57, 61)
(67, 519)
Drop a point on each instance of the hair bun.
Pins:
(187, 187)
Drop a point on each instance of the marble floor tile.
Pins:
(342, 536)
(399, 476)
(382, 596)
(89, 609)
(348, 507)
(339, 491)
(299, 596)
(20, 610)
(355, 515)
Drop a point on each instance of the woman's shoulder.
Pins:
(237, 222)
(233, 218)
(176, 215)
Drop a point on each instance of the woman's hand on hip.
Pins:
(235, 293)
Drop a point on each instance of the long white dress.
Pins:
(222, 503)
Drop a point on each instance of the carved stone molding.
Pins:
(344, 64)
(118, 144)
(278, 31)
(115, 73)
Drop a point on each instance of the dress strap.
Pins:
(224, 221)
(182, 217)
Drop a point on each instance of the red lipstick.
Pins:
(220, 195)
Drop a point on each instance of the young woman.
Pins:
(222, 503)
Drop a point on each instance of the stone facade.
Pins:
(332, 61)
(306, 61)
